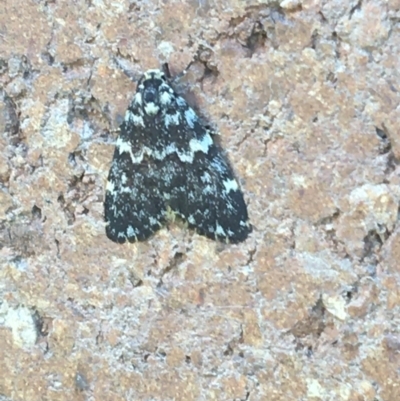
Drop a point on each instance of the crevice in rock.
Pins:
(355, 8)
(176, 260)
(373, 242)
(257, 38)
(311, 328)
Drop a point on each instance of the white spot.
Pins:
(208, 189)
(213, 132)
(121, 235)
(230, 185)
(171, 148)
(206, 177)
(134, 118)
(191, 117)
(153, 221)
(164, 87)
(22, 324)
(138, 120)
(110, 187)
(151, 108)
(314, 389)
(165, 98)
(202, 145)
(131, 232)
(229, 206)
(335, 305)
(195, 145)
(128, 116)
(136, 159)
(123, 147)
(137, 100)
(159, 155)
(180, 101)
(218, 165)
(172, 119)
(185, 157)
(191, 219)
(125, 190)
(219, 230)
(124, 178)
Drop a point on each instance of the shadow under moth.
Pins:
(167, 165)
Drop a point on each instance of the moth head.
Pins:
(154, 92)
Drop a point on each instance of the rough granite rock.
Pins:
(306, 97)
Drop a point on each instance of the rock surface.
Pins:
(306, 97)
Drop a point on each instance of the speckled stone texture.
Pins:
(306, 96)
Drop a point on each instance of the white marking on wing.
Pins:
(219, 230)
(202, 145)
(230, 185)
(172, 119)
(165, 98)
(191, 117)
(151, 108)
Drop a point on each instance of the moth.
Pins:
(167, 165)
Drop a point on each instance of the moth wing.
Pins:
(178, 169)
(133, 208)
(210, 200)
